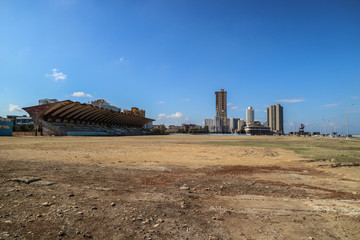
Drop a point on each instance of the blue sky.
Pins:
(169, 57)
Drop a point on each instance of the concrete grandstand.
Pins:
(68, 118)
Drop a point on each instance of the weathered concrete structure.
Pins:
(74, 118)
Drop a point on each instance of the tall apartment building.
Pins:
(250, 116)
(275, 118)
(221, 110)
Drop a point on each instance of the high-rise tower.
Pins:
(250, 116)
(275, 118)
(221, 110)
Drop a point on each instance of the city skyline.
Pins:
(170, 57)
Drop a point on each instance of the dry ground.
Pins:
(171, 187)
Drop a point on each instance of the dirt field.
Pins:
(172, 187)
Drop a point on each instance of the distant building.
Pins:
(174, 127)
(20, 120)
(233, 124)
(5, 127)
(275, 118)
(256, 128)
(210, 124)
(101, 103)
(221, 111)
(47, 101)
(214, 125)
(149, 125)
(241, 124)
(190, 126)
(218, 124)
(250, 116)
(161, 126)
(137, 112)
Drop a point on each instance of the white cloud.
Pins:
(56, 75)
(161, 102)
(174, 115)
(186, 100)
(119, 61)
(355, 97)
(331, 105)
(229, 103)
(14, 108)
(81, 94)
(290, 100)
(234, 108)
(177, 118)
(161, 115)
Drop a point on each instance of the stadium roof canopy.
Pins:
(82, 113)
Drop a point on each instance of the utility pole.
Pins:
(347, 121)
(331, 130)
(347, 124)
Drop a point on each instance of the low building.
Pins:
(101, 103)
(47, 101)
(149, 125)
(233, 124)
(137, 112)
(161, 126)
(190, 126)
(257, 128)
(174, 127)
(210, 124)
(20, 120)
(236, 124)
(214, 125)
(241, 124)
(6, 126)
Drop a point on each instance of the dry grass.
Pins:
(238, 187)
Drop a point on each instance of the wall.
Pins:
(5, 128)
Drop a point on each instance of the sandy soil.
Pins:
(170, 187)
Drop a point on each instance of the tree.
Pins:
(206, 129)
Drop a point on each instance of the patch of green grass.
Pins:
(318, 149)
